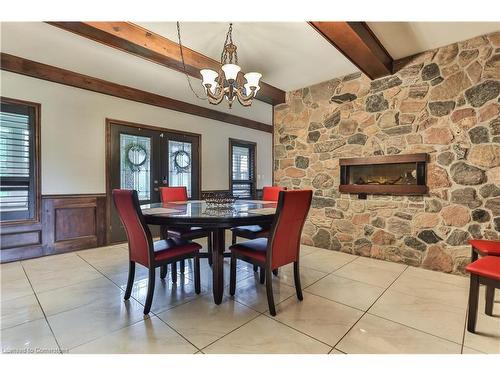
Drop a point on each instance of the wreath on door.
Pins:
(136, 156)
(182, 161)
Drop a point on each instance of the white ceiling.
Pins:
(290, 55)
(403, 39)
(47, 44)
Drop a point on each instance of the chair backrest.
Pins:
(284, 237)
(271, 193)
(173, 194)
(138, 234)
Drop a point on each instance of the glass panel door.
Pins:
(135, 164)
(144, 159)
(181, 162)
(180, 165)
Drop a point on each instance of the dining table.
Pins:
(217, 219)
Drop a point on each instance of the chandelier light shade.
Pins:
(228, 82)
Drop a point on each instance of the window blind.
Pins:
(242, 171)
(16, 165)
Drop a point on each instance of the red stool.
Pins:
(484, 271)
(484, 247)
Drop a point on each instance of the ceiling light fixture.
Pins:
(229, 82)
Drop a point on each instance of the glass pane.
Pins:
(180, 165)
(241, 163)
(383, 174)
(135, 164)
(15, 165)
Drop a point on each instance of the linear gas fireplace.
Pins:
(389, 175)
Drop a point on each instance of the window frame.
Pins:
(252, 146)
(35, 160)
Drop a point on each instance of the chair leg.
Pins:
(275, 272)
(151, 290)
(255, 268)
(490, 299)
(232, 276)
(182, 265)
(296, 277)
(262, 275)
(233, 238)
(473, 255)
(163, 271)
(270, 297)
(197, 287)
(173, 269)
(130, 281)
(210, 248)
(473, 300)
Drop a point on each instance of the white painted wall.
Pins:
(73, 135)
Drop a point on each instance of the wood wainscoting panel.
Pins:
(21, 241)
(68, 223)
(74, 222)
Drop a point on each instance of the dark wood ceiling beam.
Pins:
(359, 44)
(143, 43)
(51, 73)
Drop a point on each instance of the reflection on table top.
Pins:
(200, 209)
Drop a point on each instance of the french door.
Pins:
(145, 159)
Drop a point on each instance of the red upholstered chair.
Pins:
(179, 194)
(144, 251)
(251, 232)
(280, 247)
(484, 247)
(486, 271)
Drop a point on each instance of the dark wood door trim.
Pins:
(51, 73)
(357, 42)
(133, 39)
(134, 125)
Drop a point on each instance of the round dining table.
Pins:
(198, 213)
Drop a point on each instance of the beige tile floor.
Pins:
(73, 303)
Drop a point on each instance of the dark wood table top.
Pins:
(196, 212)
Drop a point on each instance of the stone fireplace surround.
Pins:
(443, 102)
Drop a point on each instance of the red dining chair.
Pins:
(144, 251)
(484, 248)
(179, 194)
(282, 245)
(485, 271)
(251, 232)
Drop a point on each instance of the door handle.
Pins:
(155, 189)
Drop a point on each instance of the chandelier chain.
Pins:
(229, 48)
(184, 64)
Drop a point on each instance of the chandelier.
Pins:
(229, 82)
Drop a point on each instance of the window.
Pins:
(242, 168)
(19, 160)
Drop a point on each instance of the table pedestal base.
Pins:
(219, 245)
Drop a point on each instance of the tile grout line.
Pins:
(374, 302)
(220, 338)
(154, 314)
(41, 308)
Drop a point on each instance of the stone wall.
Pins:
(443, 102)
